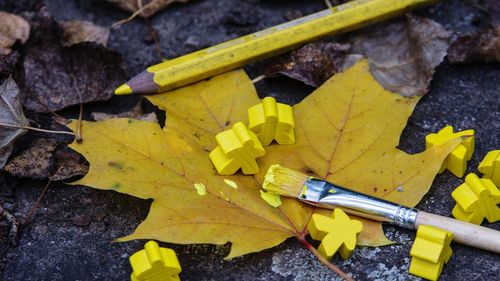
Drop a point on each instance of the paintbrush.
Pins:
(323, 194)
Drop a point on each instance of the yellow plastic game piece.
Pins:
(476, 199)
(154, 263)
(337, 232)
(430, 251)
(456, 162)
(272, 121)
(237, 148)
(490, 166)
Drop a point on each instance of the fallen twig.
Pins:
(154, 35)
(37, 204)
(324, 261)
(14, 225)
(135, 14)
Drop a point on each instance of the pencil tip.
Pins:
(123, 89)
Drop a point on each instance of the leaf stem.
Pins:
(259, 78)
(324, 261)
(78, 137)
(36, 129)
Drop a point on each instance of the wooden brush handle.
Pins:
(463, 232)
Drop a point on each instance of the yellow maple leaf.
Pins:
(346, 132)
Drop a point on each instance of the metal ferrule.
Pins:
(327, 195)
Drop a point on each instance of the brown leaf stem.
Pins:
(14, 225)
(154, 35)
(37, 204)
(78, 137)
(259, 78)
(324, 261)
(36, 129)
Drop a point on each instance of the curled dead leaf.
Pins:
(12, 118)
(136, 113)
(12, 28)
(68, 164)
(84, 31)
(403, 53)
(481, 46)
(46, 158)
(34, 162)
(312, 64)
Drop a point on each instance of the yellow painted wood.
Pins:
(155, 263)
(237, 149)
(430, 251)
(270, 121)
(456, 162)
(490, 166)
(337, 233)
(476, 199)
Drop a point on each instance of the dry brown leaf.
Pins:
(34, 162)
(84, 31)
(12, 28)
(481, 46)
(68, 164)
(136, 113)
(44, 158)
(403, 53)
(56, 77)
(11, 113)
(312, 64)
(149, 7)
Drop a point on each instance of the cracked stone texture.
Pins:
(71, 236)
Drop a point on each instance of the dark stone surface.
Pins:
(70, 238)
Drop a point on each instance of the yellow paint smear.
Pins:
(201, 189)
(271, 198)
(231, 183)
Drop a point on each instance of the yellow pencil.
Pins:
(268, 42)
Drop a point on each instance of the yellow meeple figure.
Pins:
(456, 162)
(337, 233)
(154, 263)
(430, 251)
(237, 148)
(272, 121)
(476, 199)
(490, 166)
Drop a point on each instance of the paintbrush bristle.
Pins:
(284, 181)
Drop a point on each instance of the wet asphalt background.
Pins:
(54, 247)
